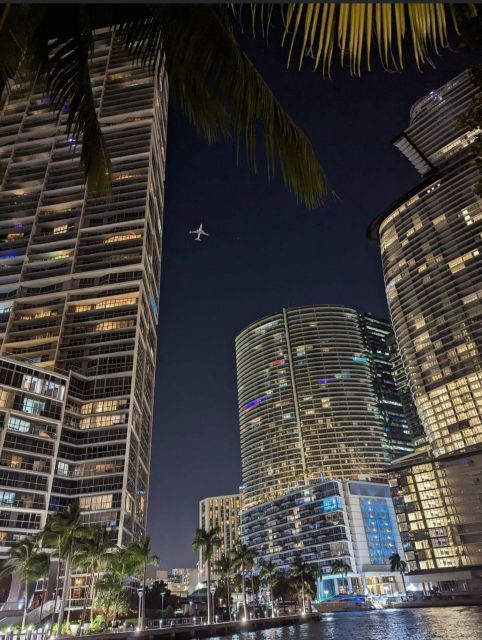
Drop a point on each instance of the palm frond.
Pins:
(62, 66)
(16, 24)
(202, 58)
(314, 30)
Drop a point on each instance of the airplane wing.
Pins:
(203, 233)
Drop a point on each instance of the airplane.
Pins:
(199, 232)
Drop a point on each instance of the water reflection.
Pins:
(451, 623)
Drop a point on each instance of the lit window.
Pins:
(63, 469)
(7, 497)
(17, 424)
(123, 237)
(29, 405)
(63, 228)
(96, 503)
(31, 383)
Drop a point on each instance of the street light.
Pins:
(140, 593)
(213, 591)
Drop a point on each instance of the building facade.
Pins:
(430, 245)
(179, 581)
(331, 520)
(378, 337)
(415, 427)
(79, 286)
(222, 512)
(32, 405)
(432, 265)
(437, 502)
(315, 399)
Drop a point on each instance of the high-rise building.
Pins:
(222, 512)
(430, 245)
(408, 405)
(79, 289)
(316, 399)
(329, 521)
(378, 336)
(432, 265)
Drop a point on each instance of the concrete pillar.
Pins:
(364, 582)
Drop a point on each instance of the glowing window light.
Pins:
(360, 359)
(325, 380)
(254, 403)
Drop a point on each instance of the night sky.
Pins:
(264, 252)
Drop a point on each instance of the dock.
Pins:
(186, 632)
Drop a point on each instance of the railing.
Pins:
(167, 623)
(44, 633)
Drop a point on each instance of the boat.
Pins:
(345, 603)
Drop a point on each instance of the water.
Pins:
(448, 623)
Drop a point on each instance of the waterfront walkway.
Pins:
(184, 632)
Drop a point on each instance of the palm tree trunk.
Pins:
(271, 599)
(25, 604)
(65, 592)
(229, 598)
(84, 606)
(43, 595)
(245, 605)
(208, 592)
(403, 580)
(93, 594)
(57, 582)
(252, 594)
(302, 595)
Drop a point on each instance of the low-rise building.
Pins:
(332, 520)
(178, 581)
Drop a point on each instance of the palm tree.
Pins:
(243, 559)
(111, 595)
(397, 564)
(341, 567)
(209, 75)
(225, 567)
(110, 591)
(301, 572)
(141, 555)
(65, 527)
(269, 575)
(91, 557)
(207, 542)
(28, 563)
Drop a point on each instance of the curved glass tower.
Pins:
(431, 252)
(307, 401)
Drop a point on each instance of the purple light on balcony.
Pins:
(254, 403)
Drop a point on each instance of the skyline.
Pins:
(243, 255)
(288, 414)
(306, 243)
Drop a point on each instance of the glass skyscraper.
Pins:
(79, 290)
(432, 264)
(316, 398)
(431, 243)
